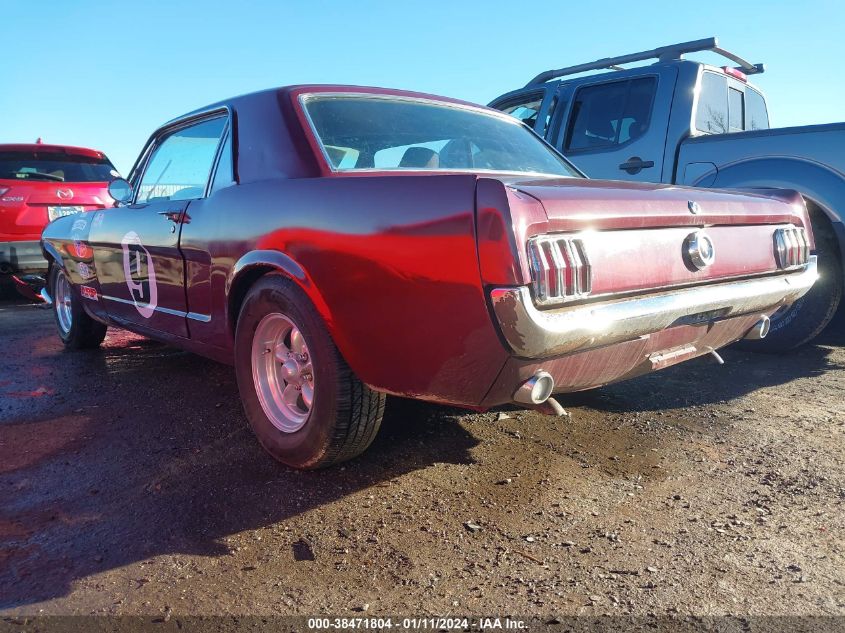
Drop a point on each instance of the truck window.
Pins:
(711, 114)
(756, 116)
(527, 109)
(610, 114)
(736, 111)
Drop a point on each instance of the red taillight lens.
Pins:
(560, 269)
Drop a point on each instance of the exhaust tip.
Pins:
(759, 330)
(535, 390)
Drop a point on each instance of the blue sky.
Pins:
(105, 74)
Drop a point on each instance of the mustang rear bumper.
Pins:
(533, 333)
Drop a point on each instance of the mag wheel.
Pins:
(304, 403)
(76, 329)
(282, 372)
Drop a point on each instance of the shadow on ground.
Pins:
(139, 449)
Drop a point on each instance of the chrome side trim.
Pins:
(170, 311)
(196, 316)
(533, 333)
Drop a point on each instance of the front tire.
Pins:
(76, 329)
(304, 403)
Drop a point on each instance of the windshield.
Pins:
(55, 167)
(375, 132)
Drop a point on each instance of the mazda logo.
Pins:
(64, 194)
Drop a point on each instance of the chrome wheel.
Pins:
(282, 372)
(62, 299)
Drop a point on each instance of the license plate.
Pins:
(58, 212)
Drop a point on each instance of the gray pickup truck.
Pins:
(678, 121)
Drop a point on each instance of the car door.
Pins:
(616, 129)
(136, 247)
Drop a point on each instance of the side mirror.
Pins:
(120, 190)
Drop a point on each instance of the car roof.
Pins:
(276, 92)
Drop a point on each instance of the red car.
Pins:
(337, 244)
(39, 183)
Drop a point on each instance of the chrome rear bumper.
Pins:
(533, 333)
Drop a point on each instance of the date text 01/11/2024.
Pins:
(417, 624)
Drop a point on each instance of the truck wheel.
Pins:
(301, 398)
(805, 319)
(76, 329)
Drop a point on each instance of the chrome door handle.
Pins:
(173, 216)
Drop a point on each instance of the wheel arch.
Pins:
(256, 264)
(52, 255)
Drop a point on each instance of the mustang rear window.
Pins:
(374, 132)
(55, 167)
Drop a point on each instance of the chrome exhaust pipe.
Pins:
(46, 296)
(759, 330)
(536, 390)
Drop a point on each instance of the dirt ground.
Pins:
(130, 484)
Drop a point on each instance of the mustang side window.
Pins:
(610, 114)
(181, 163)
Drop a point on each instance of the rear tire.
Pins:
(805, 319)
(304, 403)
(76, 329)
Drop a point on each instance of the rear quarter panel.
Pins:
(390, 262)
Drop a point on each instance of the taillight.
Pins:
(792, 247)
(735, 73)
(560, 269)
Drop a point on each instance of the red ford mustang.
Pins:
(337, 244)
(39, 183)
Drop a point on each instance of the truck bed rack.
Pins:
(662, 54)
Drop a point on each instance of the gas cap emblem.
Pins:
(694, 207)
(699, 249)
(64, 194)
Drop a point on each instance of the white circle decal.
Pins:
(140, 274)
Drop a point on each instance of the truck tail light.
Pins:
(735, 73)
(792, 247)
(560, 269)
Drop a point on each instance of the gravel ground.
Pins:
(130, 484)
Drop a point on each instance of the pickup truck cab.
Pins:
(338, 243)
(679, 121)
